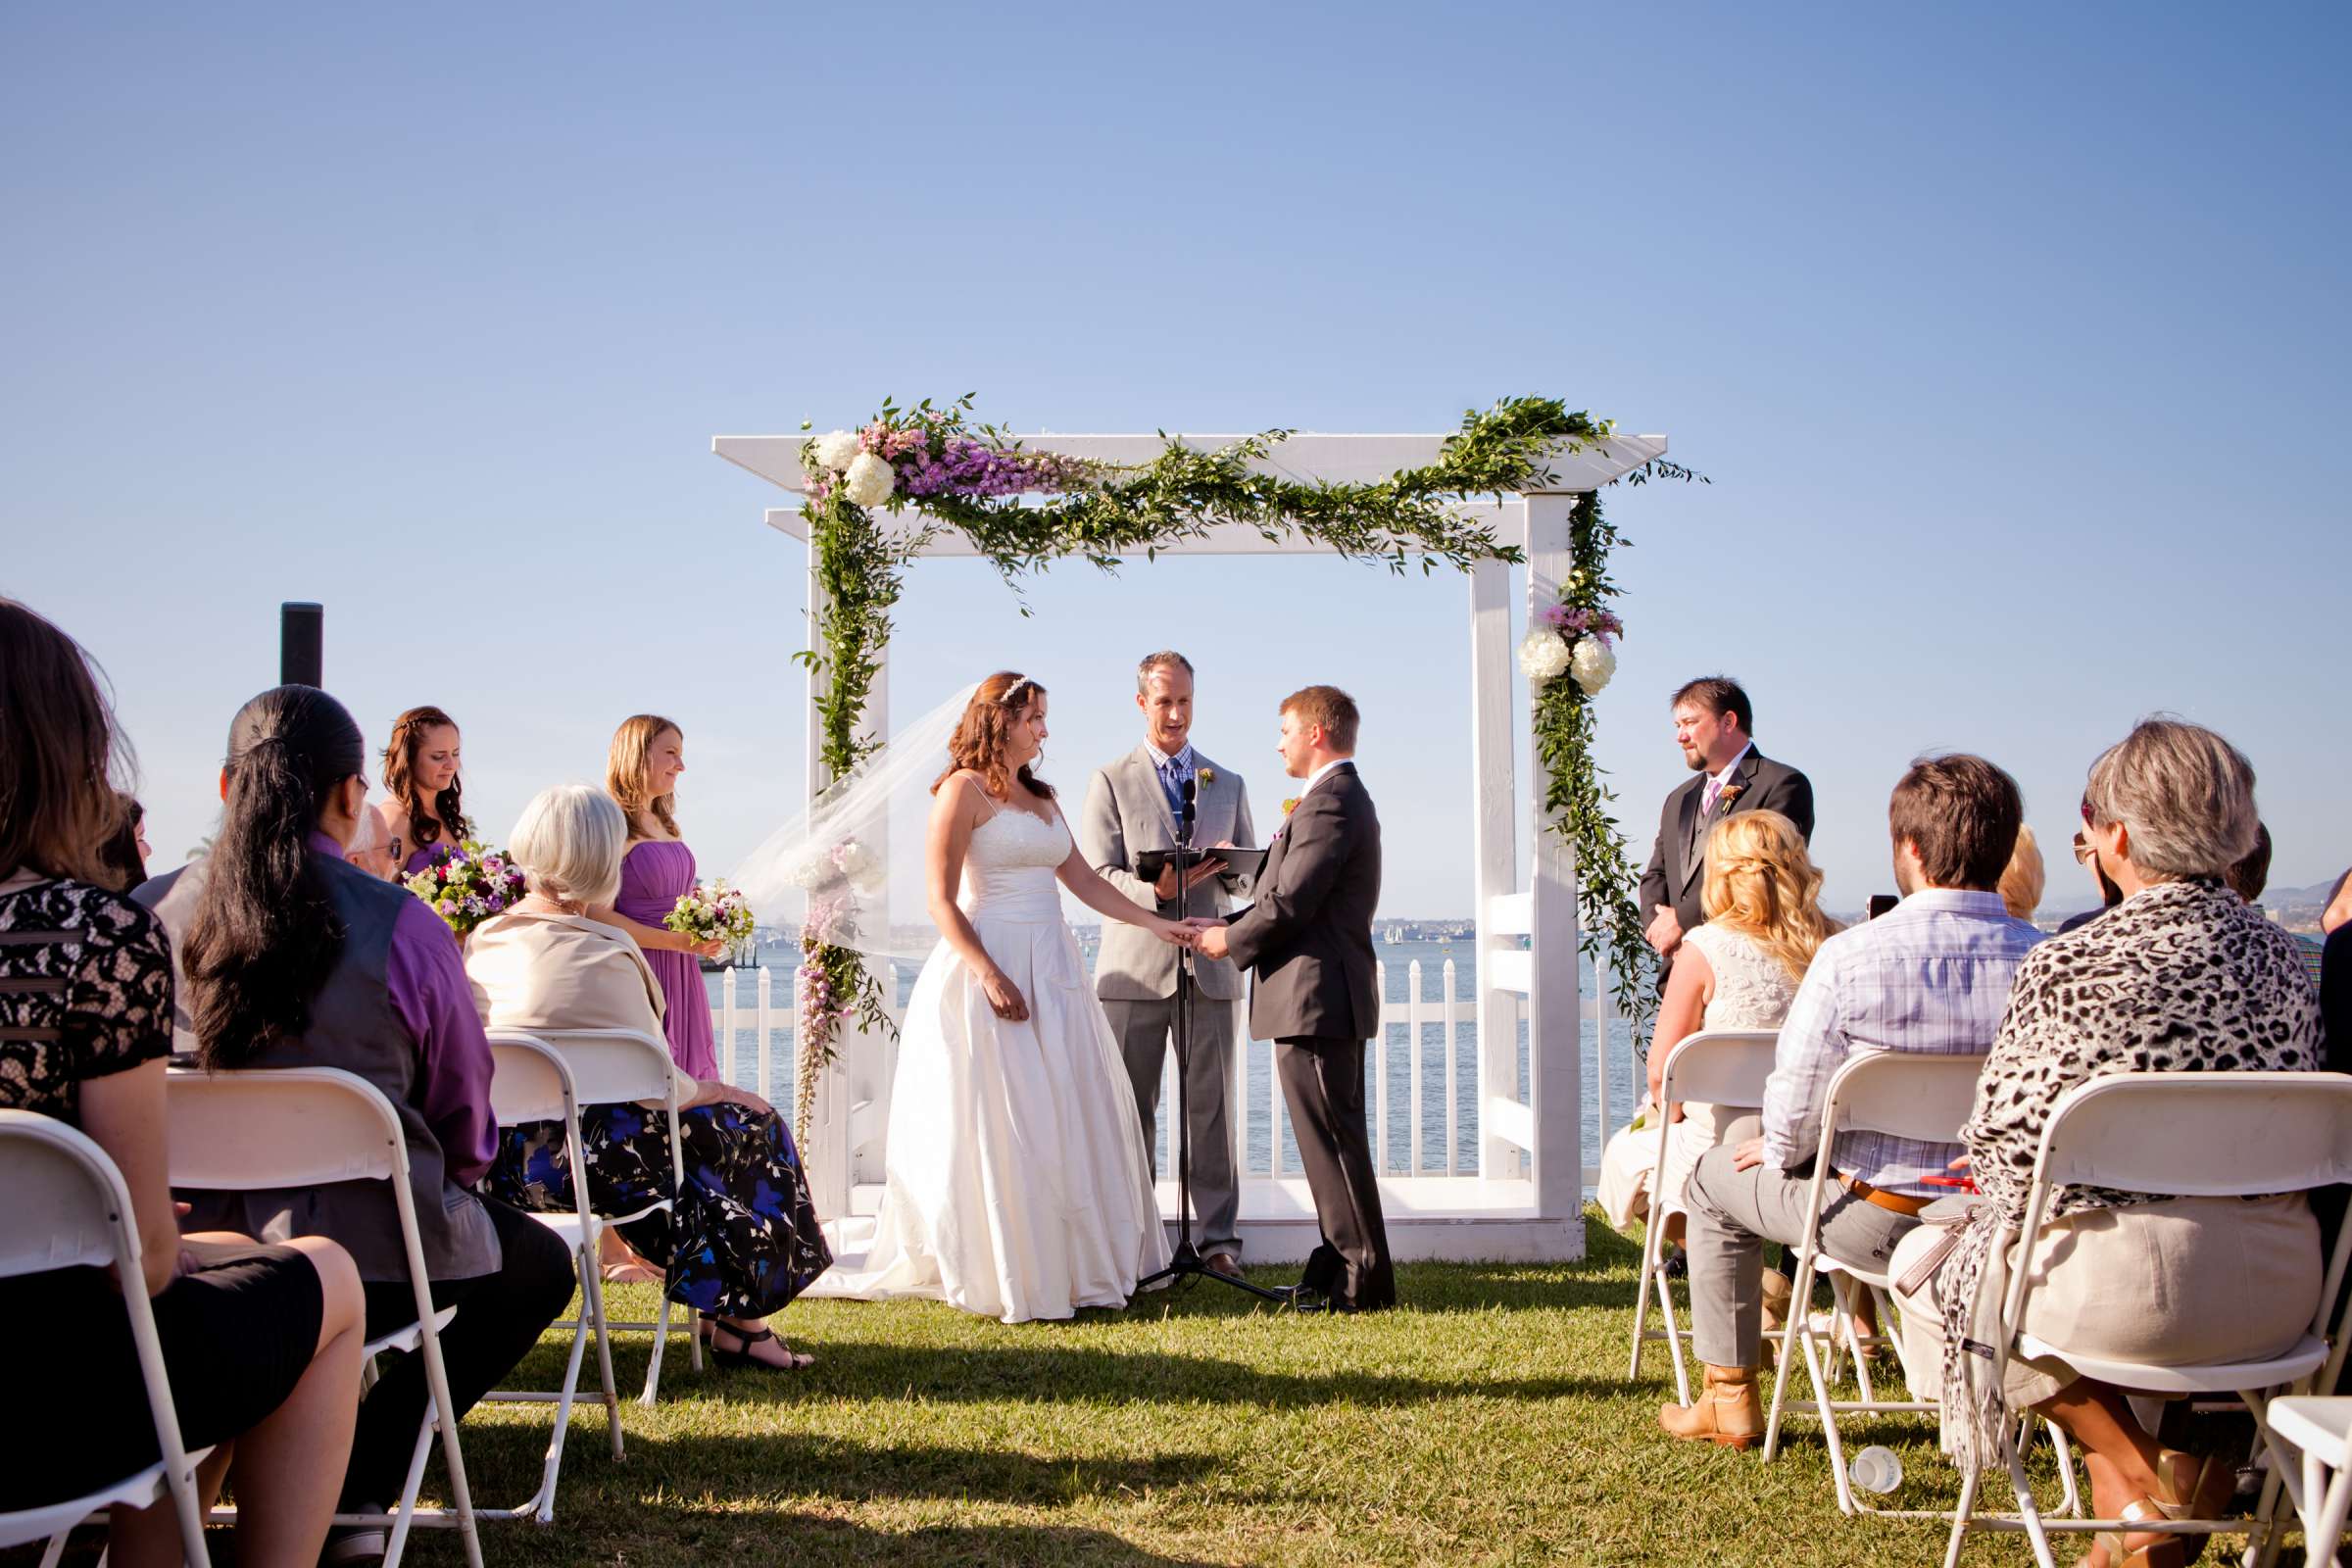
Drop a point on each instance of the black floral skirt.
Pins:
(741, 1241)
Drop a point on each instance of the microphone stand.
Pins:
(1187, 1262)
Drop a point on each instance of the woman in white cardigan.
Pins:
(743, 1239)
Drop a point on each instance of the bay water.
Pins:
(1394, 1056)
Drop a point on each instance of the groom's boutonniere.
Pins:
(1731, 793)
(1290, 805)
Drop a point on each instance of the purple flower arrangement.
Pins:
(1576, 622)
(820, 1014)
(964, 466)
(926, 453)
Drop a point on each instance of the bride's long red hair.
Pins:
(982, 734)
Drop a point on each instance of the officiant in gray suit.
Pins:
(1132, 806)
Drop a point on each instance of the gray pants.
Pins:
(1733, 1212)
(1146, 1035)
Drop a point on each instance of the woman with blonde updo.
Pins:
(2024, 878)
(1740, 970)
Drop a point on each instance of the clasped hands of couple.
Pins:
(1191, 931)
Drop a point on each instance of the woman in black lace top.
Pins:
(262, 1343)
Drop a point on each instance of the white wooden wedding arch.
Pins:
(1524, 1200)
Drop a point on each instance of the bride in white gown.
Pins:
(1018, 1182)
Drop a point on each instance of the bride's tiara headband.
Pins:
(1016, 691)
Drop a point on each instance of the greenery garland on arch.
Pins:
(945, 471)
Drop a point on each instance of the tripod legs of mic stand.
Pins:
(1188, 1262)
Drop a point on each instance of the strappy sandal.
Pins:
(2109, 1544)
(635, 1271)
(2202, 1486)
(742, 1357)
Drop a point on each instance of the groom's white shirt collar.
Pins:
(1316, 777)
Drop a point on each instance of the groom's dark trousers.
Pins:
(1323, 1084)
(1307, 945)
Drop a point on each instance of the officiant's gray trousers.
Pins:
(1733, 1212)
(1145, 1031)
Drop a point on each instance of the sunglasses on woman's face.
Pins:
(2084, 850)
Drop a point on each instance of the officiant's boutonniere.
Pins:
(1206, 775)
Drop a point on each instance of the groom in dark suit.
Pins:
(1307, 942)
(1715, 726)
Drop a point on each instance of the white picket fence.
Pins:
(1435, 1060)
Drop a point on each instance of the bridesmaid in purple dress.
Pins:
(648, 753)
(423, 813)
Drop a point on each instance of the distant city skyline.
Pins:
(2012, 339)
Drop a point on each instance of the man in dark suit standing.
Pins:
(1307, 942)
(1714, 725)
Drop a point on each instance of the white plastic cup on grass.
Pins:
(1877, 1469)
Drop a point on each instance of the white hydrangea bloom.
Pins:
(837, 449)
(869, 481)
(814, 868)
(1542, 656)
(1592, 665)
(860, 864)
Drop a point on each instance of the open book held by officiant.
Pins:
(1238, 865)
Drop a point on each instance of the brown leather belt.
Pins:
(1893, 1202)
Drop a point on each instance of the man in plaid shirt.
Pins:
(1932, 975)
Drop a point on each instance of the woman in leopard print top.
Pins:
(2180, 976)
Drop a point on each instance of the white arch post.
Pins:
(1524, 1200)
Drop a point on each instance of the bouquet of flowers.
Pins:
(468, 884)
(712, 911)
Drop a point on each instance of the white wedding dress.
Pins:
(1019, 1184)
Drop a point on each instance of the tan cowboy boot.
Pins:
(1728, 1410)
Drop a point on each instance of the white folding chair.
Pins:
(2312, 1436)
(1716, 1067)
(530, 1083)
(68, 1207)
(2186, 1134)
(285, 1127)
(1908, 1095)
(618, 1067)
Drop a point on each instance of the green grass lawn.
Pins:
(1487, 1421)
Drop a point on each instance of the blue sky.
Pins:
(2013, 338)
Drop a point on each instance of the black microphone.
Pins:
(1184, 825)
